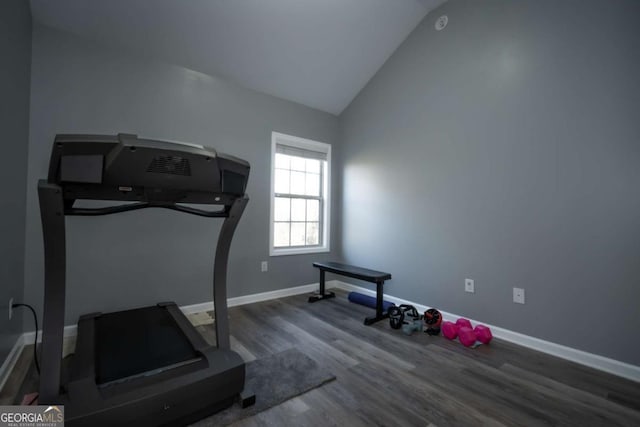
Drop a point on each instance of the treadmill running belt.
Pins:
(133, 342)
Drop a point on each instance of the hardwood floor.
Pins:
(386, 378)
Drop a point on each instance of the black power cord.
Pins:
(35, 342)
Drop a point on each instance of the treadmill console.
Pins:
(125, 167)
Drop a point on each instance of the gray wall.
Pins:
(139, 258)
(506, 149)
(15, 51)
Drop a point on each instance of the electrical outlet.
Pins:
(518, 295)
(469, 286)
(10, 308)
(264, 266)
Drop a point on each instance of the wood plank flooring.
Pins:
(385, 378)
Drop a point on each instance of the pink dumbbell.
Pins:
(462, 322)
(483, 334)
(466, 336)
(449, 330)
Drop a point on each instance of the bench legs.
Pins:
(322, 294)
(380, 314)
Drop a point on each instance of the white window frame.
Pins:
(308, 144)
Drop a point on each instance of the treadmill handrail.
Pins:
(108, 210)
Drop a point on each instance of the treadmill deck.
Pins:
(139, 342)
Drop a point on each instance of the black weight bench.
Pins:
(377, 277)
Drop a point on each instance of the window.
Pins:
(300, 170)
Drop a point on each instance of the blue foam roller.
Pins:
(368, 301)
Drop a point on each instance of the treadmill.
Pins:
(147, 366)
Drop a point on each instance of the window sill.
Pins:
(297, 251)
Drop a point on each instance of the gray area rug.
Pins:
(273, 379)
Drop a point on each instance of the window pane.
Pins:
(297, 233)
(298, 163)
(283, 161)
(298, 210)
(298, 200)
(282, 209)
(313, 165)
(281, 234)
(312, 186)
(297, 182)
(282, 181)
(313, 210)
(312, 233)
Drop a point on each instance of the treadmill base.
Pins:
(178, 395)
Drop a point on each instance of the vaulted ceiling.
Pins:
(319, 53)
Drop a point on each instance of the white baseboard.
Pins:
(71, 330)
(595, 361)
(11, 360)
(250, 299)
(602, 363)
